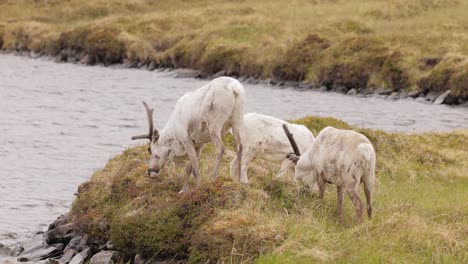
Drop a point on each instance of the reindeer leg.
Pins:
(187, 178)
(216, 138)
(321, 185)
(193, 153)
(356, 202)
(339, 192)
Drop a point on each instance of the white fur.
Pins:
(344, 158)
(200, 117)
(265, 139)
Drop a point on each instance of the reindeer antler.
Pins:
(151, 134)
(294, 157)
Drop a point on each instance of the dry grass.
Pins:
(420, 208)
(256, 38)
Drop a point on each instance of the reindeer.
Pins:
(264, 139)
(344, 158)
(199, 117)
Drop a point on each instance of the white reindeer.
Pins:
(265, 139)
(344, 158)
(198, 118)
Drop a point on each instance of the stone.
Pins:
(441, 98)
(83, 243)
(85, 59)
(110, 245)
(290, 84)
(431, 96)
(58, 246)
(61, 220)
(130, 64)
(402, 94)
(219, 74)
(68, 256)
(61, 234)
(414, 94)
(393, 96)
(152, 66)
(81, 257)
(105, 257)
(352, 92)
(186, 73)
(386, 92)
(274, 81)
(37, 253)
(421, 99)
(74, 243)
(141, 64)
(323, 88)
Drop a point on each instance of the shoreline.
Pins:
(388, 94)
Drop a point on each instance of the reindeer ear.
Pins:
(155, 136)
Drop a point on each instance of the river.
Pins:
(60, 122)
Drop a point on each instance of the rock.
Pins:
(323, 88)
(105, 257)
(414, 94)
(441, 98)
(274, 81)
(290, 84)
(421, 99)
(186, 73)
(68, 256)
(11, 250)
(431, 96)
(61, 220)
(402, 94)
(61, 234)
(110, 245)
(81, 257)
(141, 64)
(219, 74)
(393, 96)
(130, 64)
(74, 243)
(40, 252)
(386, 92)
(83, 243)
(152, 66)
(85, 59)
(352, 92)
(58, 246)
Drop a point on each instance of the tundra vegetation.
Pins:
(417, 45)
(420, 209)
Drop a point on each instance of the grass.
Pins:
(418, 44)
(421, 214)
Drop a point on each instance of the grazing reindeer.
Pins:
(344, 158)
(264, 139)
(198, 118)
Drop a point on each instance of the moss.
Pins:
(297, 60)
(450, 74)
(352, 63)
(2, 32)
(421, 179)
(104, 46)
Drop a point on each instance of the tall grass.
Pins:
(252, 37)
(420, 208)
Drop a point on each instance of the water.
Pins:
(60, 122)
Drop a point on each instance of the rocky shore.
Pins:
(429, 97)
(62, 244)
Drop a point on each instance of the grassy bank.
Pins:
(421, 214)
(399, 45)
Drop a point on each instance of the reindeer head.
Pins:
(160, 151)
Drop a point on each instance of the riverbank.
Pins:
(388, 48)
(420, 215)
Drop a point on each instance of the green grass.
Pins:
(420, 208)
(403, 44)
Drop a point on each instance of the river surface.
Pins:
(61, 122)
